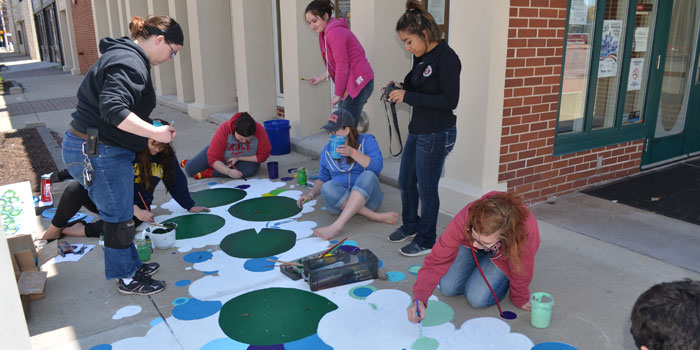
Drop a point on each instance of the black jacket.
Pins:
(117, 84)
(432, 88)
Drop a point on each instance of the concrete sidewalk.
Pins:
(594, 282)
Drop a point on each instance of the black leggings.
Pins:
(74, 197)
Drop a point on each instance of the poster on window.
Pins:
(437, 9)
(609, 48)
(578, 13)
(641, 36)
(343, 9)
(634, 82)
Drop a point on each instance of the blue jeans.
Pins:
(463, 278)
(112, 191)
(419, 175)
(335, 194)
(200, 163)
(354, 105)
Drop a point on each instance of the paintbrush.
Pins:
(420, 324)
(149, 210)
(285, 262)
(333, 247)
(303, 79)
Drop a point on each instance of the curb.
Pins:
(51, 145)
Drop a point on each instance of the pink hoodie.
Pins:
(347, 64)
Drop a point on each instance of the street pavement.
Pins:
(594, 282)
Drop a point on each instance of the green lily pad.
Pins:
(273, 316)
(265, 208)
(248, 244)
(196, 225)
(216, 197)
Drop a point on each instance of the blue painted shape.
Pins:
(196, 309)
(88, 218)
(396, 276)
(350, 242)
(102, 347)
(324, 208)
(51, 212)
(266, 347)
(380, 263)
(197, 257)
(553, 346)
(211, 272)
(182, 283)
(348, 248)
(224, 344)
(242, 187)
(312, 342)
(334, 242)
(363, 292)
(260, 264)
(155, 321)
(212, 183)
(180, 301)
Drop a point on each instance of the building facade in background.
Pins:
(555, 95)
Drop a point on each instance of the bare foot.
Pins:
(77, 229)
(327, 232)
(387, 217)
(52, 232)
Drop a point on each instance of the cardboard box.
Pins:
(32, 283)
(22, 247)
(25, 260)
(15, 266)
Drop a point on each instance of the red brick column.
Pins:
(84, 28)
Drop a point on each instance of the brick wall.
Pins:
(533, 77)
(84, 28)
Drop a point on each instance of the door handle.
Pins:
(658, 61)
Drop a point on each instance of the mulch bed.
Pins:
(24, 158)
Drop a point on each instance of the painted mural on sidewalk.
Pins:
(244, 302)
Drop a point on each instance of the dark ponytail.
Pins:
(320, 8)
(416, 19)
(158, 25)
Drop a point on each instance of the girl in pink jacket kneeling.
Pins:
(500, 233)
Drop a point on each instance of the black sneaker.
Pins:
(413, 249)
(149, 269)
(140, 285)
(399, 236)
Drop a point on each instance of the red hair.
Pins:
(502, 213)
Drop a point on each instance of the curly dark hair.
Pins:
(667, 316)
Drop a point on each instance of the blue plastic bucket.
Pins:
(278, 133)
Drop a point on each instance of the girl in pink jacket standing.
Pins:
(344, 57)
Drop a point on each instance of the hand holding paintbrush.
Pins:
(148, 209)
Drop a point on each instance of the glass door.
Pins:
(675, 61)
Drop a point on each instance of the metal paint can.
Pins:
(46, 197)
